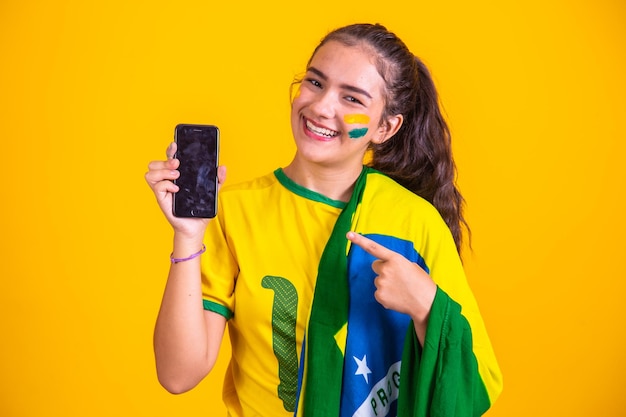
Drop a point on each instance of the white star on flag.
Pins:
(362, 367)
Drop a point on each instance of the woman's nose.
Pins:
(324, 104)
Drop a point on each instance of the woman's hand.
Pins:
(159, 177)
(401, 285)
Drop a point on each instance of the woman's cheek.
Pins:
(357, 133)
(358, 120)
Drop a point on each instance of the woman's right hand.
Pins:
(159, 177)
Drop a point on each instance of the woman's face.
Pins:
(337, 110)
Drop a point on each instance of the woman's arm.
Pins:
(186, 337)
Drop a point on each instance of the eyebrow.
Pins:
(344, 86)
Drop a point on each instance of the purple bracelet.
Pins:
(195, 255)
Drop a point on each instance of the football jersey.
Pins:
(259, 271)
(264, 259)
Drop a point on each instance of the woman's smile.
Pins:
(319, 132)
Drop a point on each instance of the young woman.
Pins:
(341, 282)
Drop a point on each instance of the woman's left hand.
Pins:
(401, 285)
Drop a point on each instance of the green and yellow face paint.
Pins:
(357, 119)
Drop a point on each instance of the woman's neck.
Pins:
(332, 182)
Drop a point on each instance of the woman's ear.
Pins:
(389, 128)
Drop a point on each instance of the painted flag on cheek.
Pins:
(358, 119)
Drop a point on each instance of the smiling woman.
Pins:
(339, 82)
(534, 94)
(349, 280)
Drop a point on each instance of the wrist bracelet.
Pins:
(195, 255)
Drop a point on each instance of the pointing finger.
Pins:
(368, 245)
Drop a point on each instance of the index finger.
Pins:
(368, 245)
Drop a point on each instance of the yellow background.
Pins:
(90, 92)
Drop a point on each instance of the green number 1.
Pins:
(284, 315)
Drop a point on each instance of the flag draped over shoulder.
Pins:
(441, 379)
(323, 369)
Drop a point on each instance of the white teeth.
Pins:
(320, 130)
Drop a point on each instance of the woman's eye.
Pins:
(314, 82)
(353, 100)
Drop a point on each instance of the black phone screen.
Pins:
(197, 151)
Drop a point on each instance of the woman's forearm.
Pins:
(186, 337)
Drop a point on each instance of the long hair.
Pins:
(419, 155)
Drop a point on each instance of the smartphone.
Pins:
(197, 150)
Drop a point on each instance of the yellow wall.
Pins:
(89, 93)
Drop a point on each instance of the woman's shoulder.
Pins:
(255, 192)
(255, 184)
(392, 209)
(386, 191)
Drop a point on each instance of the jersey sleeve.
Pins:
(457, 368)
(219, 269)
